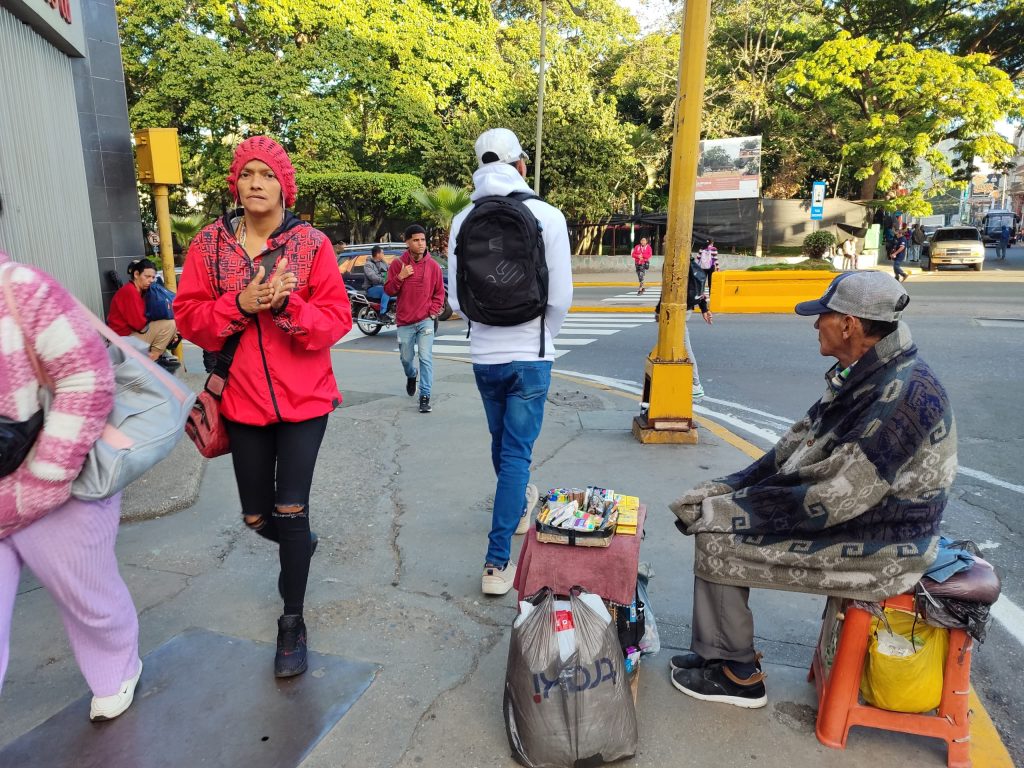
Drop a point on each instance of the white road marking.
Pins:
(985, 477)
(1010, 616)
(615, 317)
(586, 329)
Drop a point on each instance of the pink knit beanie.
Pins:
(270, 152)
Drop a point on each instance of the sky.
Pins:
(650, 13)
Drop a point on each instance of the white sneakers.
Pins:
(532, 496)
(698, 392)
(109, 707)
(498, 581)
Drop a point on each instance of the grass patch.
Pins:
(809, 264)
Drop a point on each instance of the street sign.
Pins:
(154, 239)
(817, 200)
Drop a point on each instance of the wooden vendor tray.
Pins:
(547, 534)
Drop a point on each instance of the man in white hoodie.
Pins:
(512, 376)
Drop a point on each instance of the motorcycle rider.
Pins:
(375, 272)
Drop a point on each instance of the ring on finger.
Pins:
(259, 299)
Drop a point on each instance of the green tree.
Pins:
(959, 26)
(185, 228)
(892, 104)
(344, 86)
(362, 200)
(440, 204)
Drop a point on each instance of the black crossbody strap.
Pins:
(218, 377)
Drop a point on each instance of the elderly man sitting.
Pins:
(847, 503)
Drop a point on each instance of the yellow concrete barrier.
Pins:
(740, 291)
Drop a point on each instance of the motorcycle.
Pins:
(366, 312)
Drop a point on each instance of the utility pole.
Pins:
(540, 96)
(668, 372)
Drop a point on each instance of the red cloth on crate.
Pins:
(606, 571)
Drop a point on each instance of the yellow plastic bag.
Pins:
(910, 683)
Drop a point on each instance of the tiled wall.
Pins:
(107, 145)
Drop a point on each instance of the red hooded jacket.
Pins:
(282, 368)
(127, 313)
(421, 295)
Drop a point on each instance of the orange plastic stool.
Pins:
(839, 706)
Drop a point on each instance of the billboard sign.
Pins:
(817, 200)
(729, 168)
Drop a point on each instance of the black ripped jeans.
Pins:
(274, 471)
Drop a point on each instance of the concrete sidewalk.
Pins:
(401, 502)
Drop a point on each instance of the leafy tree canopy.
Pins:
(361, 199)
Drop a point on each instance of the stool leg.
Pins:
(843, 685)
(955, 691)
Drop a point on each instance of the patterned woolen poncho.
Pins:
(850, 500)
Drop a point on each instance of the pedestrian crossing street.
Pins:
(649, 298)
(578, 330)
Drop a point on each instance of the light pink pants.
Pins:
(71, 552)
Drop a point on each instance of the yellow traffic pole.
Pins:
(163, 228)
(668, 373)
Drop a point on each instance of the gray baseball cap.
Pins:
(871, 295)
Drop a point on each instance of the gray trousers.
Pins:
(722, 626)
(689, 353)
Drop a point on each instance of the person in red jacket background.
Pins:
(263, 273)
(416, 282)
(127, 315)
(642, 260)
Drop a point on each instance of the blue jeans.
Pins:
(418, 337)
(897, 268)
(514, 395)
(377, 292)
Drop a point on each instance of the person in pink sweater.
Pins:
(68, 543)
(642, 260)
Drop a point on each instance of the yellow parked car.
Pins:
(956, 245)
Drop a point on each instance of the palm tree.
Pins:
(184, 228)
(440, 205)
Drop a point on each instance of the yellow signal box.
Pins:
(157, 157)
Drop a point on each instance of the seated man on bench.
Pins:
(848, 502)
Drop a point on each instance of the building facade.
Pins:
(1015, 185)
(68, 199)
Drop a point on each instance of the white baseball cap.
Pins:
(498, 145)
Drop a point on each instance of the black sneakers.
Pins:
(716, 682)
(313, 540)
(290, 659)
(688, 660)
(410, 386)
(168, 363)
(425, 404)
(691, 660)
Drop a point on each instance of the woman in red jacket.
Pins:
(265, 275)
(127, 315)
(642, 260)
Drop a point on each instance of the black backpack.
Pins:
(502, 274)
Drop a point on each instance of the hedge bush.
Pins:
(817, 244)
